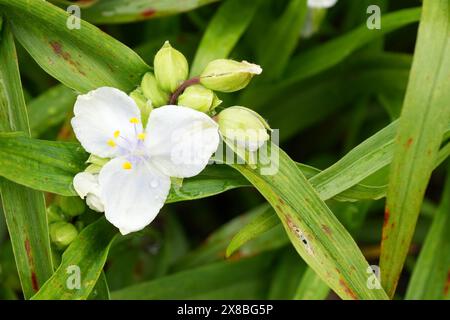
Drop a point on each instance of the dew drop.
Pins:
(154, 183)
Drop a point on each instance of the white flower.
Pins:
(134, 184)
(321, 3)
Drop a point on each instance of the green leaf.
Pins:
(223, 32)
(282, 38)
(101, 290)
(341, 181)
(213, 249)
(44, 165)
(24, 209)
(243, 279)
(321, 58)
(424, 119)
(50, 109)
(289, 269)
(124, 11)
(311, 287)
(85, 257)
(344, 84)
(429, 277)
(314, 231)
(103, 61)
(258, 225)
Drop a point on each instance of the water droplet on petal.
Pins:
(154, 183)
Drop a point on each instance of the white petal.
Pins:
(95, 202)
(87, 186)
(321, 3)
(181, 140)
(102, 121)
(133, 196)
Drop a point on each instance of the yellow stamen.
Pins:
(134, 120)
(111, 143)
(141, 136)
(126, 165)
(116, 134)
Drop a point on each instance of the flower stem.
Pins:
(182, 87)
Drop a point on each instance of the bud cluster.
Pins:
(66, 217)
(169, 84)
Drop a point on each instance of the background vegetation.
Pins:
(335, 97)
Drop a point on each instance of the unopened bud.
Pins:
(228, 75)
(199, 98)
(54, 214)
(144, 105)
(62, 234)
(244, 127)
(171, 67)
(72, 206)
(153, 92)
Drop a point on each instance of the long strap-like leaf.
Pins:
(424, 118)
(315, 232)
(24, 208)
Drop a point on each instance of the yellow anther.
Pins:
(141, 136)
(126, 165)
(134, 120)
(111, 143)
(116, 134)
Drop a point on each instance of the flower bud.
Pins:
(62, 234)
(244, 127)
(199, 98)
(54, 214)
(153, 92)
(228, 75)
(171, 67)
(72, 206)
(144, 105)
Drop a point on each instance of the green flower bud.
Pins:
(72, 206)
(243, 127)
(93, 159)
(144, 105)
(93, 168)
(62, 234)
(228, 75)
(171, 67)
(152, 91)
(199, 98)
(54, 214)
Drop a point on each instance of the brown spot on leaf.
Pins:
(58, 50)
(447, 284)
(148, 13)
(34, 282)
(387, 214)
(347, 289)
(28, 250)
(409, 142)
(326, 229)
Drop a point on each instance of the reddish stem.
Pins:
(181, 88)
